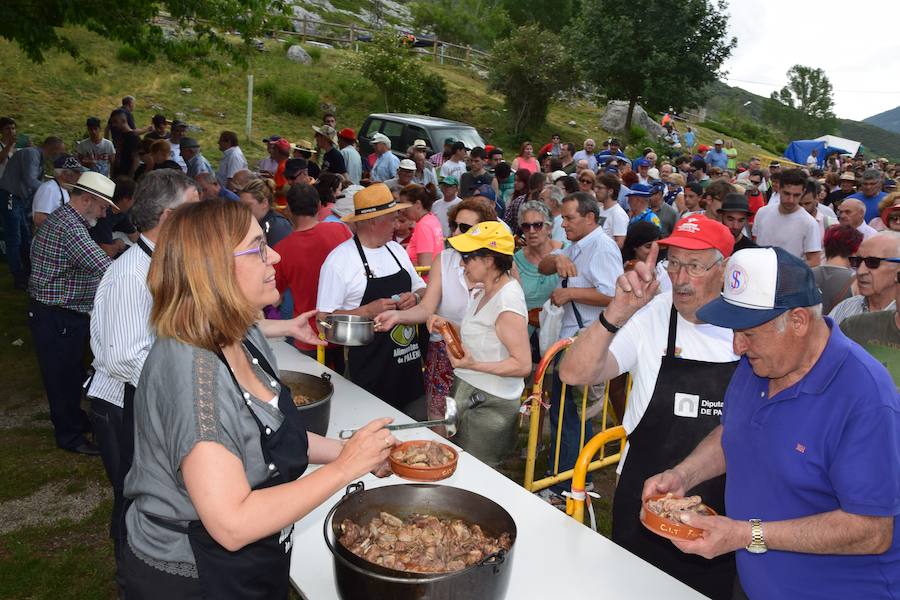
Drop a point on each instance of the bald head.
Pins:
(852, 212)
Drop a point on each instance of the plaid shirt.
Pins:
(66, 264)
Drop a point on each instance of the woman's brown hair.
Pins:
(196, 297)
(414, 192)
(479, 205)
(261, 188)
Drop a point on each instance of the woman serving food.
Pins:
(215, 487)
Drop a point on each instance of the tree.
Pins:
(529, 68)
(552, 15)
(35, 26)
(802, 108)
(660, 52)
(809, 91)
(390, 64)
(474, 22)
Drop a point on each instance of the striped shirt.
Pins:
(121, 336)
(852, 306)
(66, 264)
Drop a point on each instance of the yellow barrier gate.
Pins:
(535, 404)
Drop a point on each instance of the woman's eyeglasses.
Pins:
(467, 256)
(872, 262)
(532, 226)
(463, 227)
(260, 249)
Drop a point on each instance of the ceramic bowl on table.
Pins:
(422, 473)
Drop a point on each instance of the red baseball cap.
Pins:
(283, 145)
(347, 134)
(697, 232)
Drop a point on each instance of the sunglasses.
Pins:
(872, 262)
(467, 256)
(463, 227)
(894, 218)
(585, 180)
(532, 226)
(755, 181)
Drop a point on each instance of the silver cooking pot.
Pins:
(347, 330)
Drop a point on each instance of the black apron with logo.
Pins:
(259, 570)
(685, 406)
(390, 367)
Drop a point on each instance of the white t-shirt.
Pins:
(47, 198)
(454, 290)
(342, 280)
(797, 232)
(440, 208)
(479, 335)
(641, 343)
(867, 231)
(452, 168)
(102, 153)
(615, 220)
(175, 155)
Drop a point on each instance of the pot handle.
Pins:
(494, 560)
(325, 376)
(357, 486)
(324, 324)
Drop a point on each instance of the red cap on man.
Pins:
(347, 134)
(697, 232)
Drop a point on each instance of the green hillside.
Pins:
(56, 97)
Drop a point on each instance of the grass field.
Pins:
(56, 97)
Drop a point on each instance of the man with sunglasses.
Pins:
(879, 332)
(680, 367)
(876, 263)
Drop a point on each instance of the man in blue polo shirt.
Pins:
(717, 157)
(870, 193)
(810, 442)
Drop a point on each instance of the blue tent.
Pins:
(799, 150)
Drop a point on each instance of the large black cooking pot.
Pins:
(359, 579)
(319, 390)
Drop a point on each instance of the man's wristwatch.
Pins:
(757, 542)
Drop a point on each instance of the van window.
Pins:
(371, 127)
(413, 133)
(394, 131)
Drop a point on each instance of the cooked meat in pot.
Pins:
(300, 399)
(674, 509)
(420, 543)
(429, 454)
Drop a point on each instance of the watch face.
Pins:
(756, 549)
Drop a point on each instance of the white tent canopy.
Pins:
(839, 142)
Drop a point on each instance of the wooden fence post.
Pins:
(435, 53)
(468, 53)
(303, 35)
(352, 34)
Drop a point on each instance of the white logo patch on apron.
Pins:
(287, 537)
(687, 405)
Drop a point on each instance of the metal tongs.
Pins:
(450, 420)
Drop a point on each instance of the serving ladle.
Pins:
(450, 420)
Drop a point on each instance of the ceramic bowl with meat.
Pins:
(665, 515)
(423, 460)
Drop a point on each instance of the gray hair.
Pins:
(205, 176)
(871, 175)
(586, 204)
(156, 192)
(780, 322)
(556, 193)
(536, 206)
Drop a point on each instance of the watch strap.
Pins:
(606, 324)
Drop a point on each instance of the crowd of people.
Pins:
(706, 278)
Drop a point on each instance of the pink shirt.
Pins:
(530, 165)
(427, 237)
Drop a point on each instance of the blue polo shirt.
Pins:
(831, 441)
(871, 203)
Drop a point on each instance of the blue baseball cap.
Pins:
(639, 189)
(641, 162)
(760, 284)
(657, 187)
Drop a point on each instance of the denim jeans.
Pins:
(571, 426)
(16, 235)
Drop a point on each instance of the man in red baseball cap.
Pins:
(680, 368)
(352, 159)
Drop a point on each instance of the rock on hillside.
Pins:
(365, 13)
(616, 113)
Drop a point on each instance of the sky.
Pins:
(856, 43)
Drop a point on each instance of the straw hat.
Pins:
(96, 184)
(374, 201)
